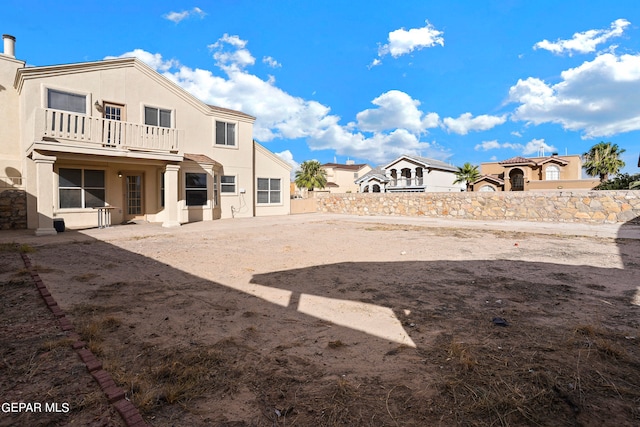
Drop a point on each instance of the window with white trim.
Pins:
(552, 173)
(216, 194)
(195, 185)
(66, 101)
(157, 117)
(225, 133)
(227, 184)
(80, 188)
(269, 191)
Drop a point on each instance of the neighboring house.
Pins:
(410, 173)
(533, 174)
(116, 134)
(341, 178)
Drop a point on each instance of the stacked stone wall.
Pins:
(558, 206)
(13, 209)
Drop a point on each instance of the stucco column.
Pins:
(44, 193)
(171, 196)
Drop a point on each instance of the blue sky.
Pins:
(459, 81)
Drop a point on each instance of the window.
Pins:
(195, 189)
(59, 100)
(487, 188)
(81, 188)
(269, 190)
(216, 195)
(162, 189)
(157, 117)
(225, 133)
(227, 184)
(552, 173)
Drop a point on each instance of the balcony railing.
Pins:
(406, 182)
(99, 132)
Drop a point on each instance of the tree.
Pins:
(623, 181)
(603, 159)
(311, 175)
(468, 173)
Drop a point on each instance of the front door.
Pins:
(134, 207)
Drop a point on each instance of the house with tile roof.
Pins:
(341, 177)
(410, 173)
(533, 174)
(118, 139)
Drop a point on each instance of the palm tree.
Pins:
(311, 175)
(468, 173)
(602, 160)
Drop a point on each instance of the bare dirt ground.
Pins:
(330, 320)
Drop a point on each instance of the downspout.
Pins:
(253, 176)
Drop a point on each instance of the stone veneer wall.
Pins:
(13, 209)
(553, 206)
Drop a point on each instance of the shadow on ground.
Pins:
(361, 343)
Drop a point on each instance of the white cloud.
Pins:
(396, 110)
(402, 42)
(287, 157)
(179, 16)
(466, 123)
(585, 42)
(280, 115)
(538, 146)
(271, 62)
(532, 147)
(535, 146)
(592, 98)
(154, 60)
(230, 53)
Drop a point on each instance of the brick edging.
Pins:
(116, 396)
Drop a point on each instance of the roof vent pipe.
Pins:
(9, 45)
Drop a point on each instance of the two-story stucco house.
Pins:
(118, 138)
(410, 174)
(533, 174)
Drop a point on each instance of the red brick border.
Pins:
(116, 396)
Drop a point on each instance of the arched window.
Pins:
(516, 176)
(552, 173)
(487, 188)
(376, 188)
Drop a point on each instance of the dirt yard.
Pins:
(324, 320)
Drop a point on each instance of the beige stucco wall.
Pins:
(10, 154)
(268, 165)
(558, 206)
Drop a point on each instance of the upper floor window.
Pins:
(157, 117)
(552, 173)
(225, 133)
(59, 100)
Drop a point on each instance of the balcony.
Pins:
(84, 131)
(406, 184)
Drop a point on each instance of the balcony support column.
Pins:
(171, 196)
(44, 193)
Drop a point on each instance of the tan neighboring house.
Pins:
(116, 136)
(534, 174)
(410, 174)
(342, 178)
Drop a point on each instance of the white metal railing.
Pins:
(406, 182)
(64, 125)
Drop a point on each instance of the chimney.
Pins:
(9, 45)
